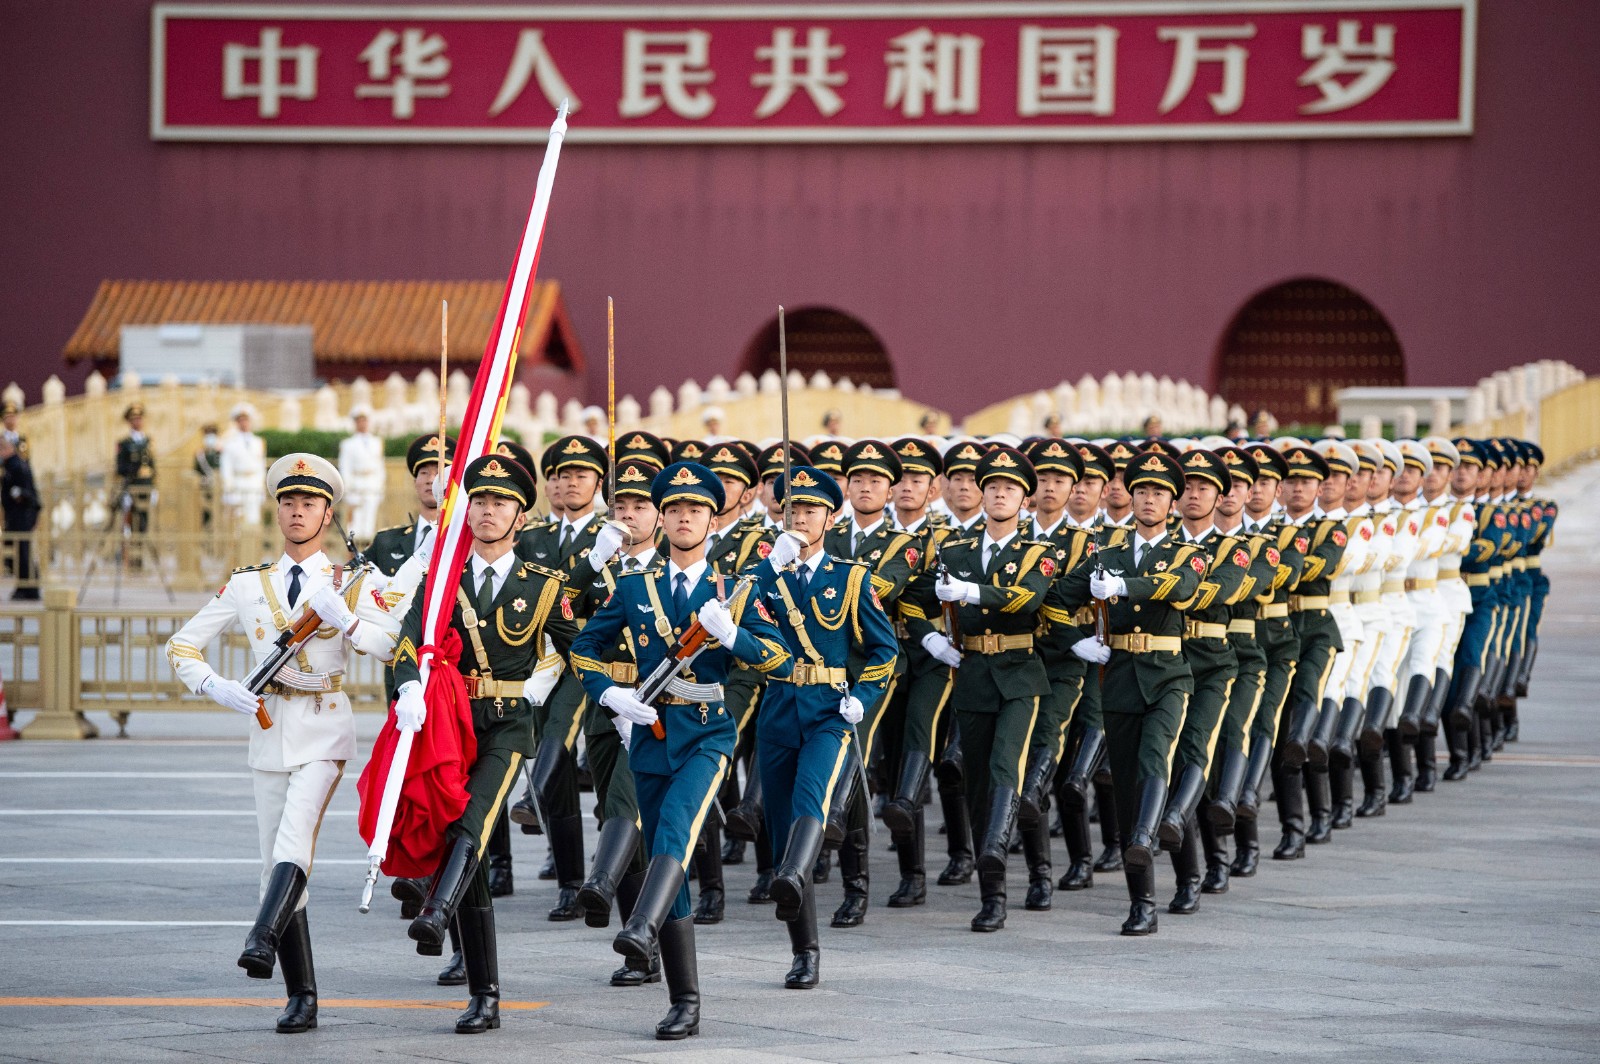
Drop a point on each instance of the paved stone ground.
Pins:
(1465, 927)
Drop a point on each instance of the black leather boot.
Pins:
(906, 805)
(1294, 744)
(732, 851)
(479, 951)
(683, 981)
(1105, 800)
(1418, 688)
(997, 832)
(853, 875)
(498, 858)
(1379, 702)
(1319, 803)
(805, 971)
(845, 789)
(710, 905)
(745, 819)
(444, 898)
(1036, 854)
(1036, 781)
(958, 836)
(619, 839)
(824, 866)
(1485, 726)
(543, 769)
(638, 939)
(1427, 762)
(1187, 863)
(547, 871)
(284, 887)
(1140, 851)
(1530, 652)
(793, 872)
(1322, 735)
(299, 977)
(908, 852)
(949, 770)
(1257, 764)
(1086, 761)
(1181, 806)
(1291, 797)
(1080, 849)
(1221, 812)
(1247, 849)
(454, 973)
(992, 888)
(632, 973)
(1433, 708)
(1142, 896)
(1375, 798)
(1456, 742)
(1215, 846)
(1399, 767)
(1463, 693)
(1351, 715)
(410, 893)
(1341, 788)
(566, 844)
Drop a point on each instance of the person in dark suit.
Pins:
(19, 499)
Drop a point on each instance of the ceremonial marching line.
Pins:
(752, 640)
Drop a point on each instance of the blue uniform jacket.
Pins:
(631, 612)
(839, 612)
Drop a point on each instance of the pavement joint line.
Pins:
(242, 1002)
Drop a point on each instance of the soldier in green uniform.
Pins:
(891, 556)
(136, 471)
(504, 608)
(919, 702)
(1146, 583)
(1229, 763)
(1275, 635)
(580, 466)
(391, 546)
(1211, 660)
(998, 580)
(1058, 467)
(1085, 780)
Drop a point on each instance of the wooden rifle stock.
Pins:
(284, 647)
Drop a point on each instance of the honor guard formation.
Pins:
(753, 654)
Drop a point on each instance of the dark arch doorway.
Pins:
(1293, 346)
(821, 338)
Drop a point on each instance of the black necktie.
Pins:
(680, 597)
(294, 585)
(566, 539)
(993, 551)
(486, 592)
(805, 580)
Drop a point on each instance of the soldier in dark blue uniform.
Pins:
(830, 618)
(677, 770)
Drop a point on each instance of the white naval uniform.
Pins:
(297, 762)
(1366, 598)
(243, 469)
(1422, 577)
(1357, 556)
(361, 466)
(1453, 592)
(1400, 620)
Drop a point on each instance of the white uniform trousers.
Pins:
(289, 809)
(1373, 637)
(1432, 619)
(1344, 662)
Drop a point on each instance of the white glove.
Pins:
(330, 606)
(230, 694)
(1092, 650)
(957, 591)
(607, 542)
(851, 710)
(1108, 586)
(409, 708)
(625, 704)
(786, 550)
(624, 731)
(938, 645)
(716, 619)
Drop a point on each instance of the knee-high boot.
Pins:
(299, 977)
(679, 963)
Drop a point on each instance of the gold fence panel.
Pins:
(1569, 424)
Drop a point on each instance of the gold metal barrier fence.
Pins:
(64, 659)
(1569, 424)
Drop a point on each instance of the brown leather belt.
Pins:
(808, 675)
(1307, 603)
(1420, 583)
(996, 644)
(482, 687)
(1145, 643)
(1202, 630)
(1273, 610)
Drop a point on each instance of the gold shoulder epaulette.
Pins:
(253, 568)
(535, 569)
(965, 541)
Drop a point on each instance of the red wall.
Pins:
(1057, 259)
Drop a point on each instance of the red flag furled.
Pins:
(390, 773)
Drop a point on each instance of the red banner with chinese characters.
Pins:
(819, 73)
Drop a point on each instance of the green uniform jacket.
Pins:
(136, 462)
(390, 547)
(1008, 604)
(892, 558)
